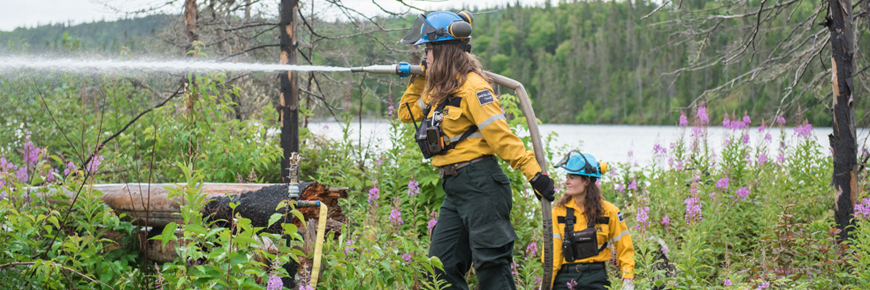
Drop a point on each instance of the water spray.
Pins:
(90, 64)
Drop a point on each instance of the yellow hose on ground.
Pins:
(318, 247)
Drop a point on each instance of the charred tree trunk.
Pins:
(190, 17)
(843, 140)
(289, 109)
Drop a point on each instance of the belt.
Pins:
(451, 169)
(581, 267)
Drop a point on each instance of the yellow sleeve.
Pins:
(621, 239)
(558, 231)
(486, 113)
(411, 99)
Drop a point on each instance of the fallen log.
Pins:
(149, 204)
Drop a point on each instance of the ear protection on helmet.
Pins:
(466, 16)
(459, 29)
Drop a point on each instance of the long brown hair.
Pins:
(592, 203)
(449, 70)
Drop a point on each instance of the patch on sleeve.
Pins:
(619, 214)
(485, 97)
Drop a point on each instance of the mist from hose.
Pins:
(84, 65)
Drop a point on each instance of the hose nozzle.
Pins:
(403, 69)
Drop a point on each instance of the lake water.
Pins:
(611, 143)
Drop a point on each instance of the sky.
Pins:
(29, 13)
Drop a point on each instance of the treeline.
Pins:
(97, 35)
(589, 62)
(599, 62)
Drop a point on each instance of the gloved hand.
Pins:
(627, 284)
(543, 186)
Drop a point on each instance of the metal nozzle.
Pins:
(402, 69)
(377, 69)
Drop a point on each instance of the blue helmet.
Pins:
(440, 26)
(582, 164)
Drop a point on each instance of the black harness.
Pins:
(583, 244)
(430, 137)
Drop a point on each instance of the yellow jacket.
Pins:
(615, 232)
(479, 107)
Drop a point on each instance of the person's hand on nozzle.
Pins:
(544, 186)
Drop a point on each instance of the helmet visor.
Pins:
(417, 31)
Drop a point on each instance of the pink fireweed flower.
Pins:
(761, 128)
(305, 287)
(697, 132)
(764, 285)
(726, 123)
(413, 187)
(767, 137)
(660, 151)
(406, 257)
(96, 160)
(21, 174)
(396, 217)
(803, 131)
(746, 120)
(702, 115)
(572, 284)
(632, 185)
(642, 218)
(349, 247)
(743, 193)
(863, 209)
(50, 176)
(70, 167)
(31, 154)
(727, 282)
(780, 159)
(722, 183)
(431, 224)
(683, 120)
(379, 161)
(693, 209)
(780, 119)
(274, 283)
(666, 221)
(665, 249)
(620, 188)
(390, 108)
(745, 138)
(373, 194)
(532, 249)
(762, 159)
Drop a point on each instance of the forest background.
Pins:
(588, 62)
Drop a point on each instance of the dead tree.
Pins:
(843, 140)
(289, 108)
(191, 14)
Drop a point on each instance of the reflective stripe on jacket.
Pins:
(615, 233)
(479, 108)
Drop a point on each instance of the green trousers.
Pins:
(587, 280)
(474, 227)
